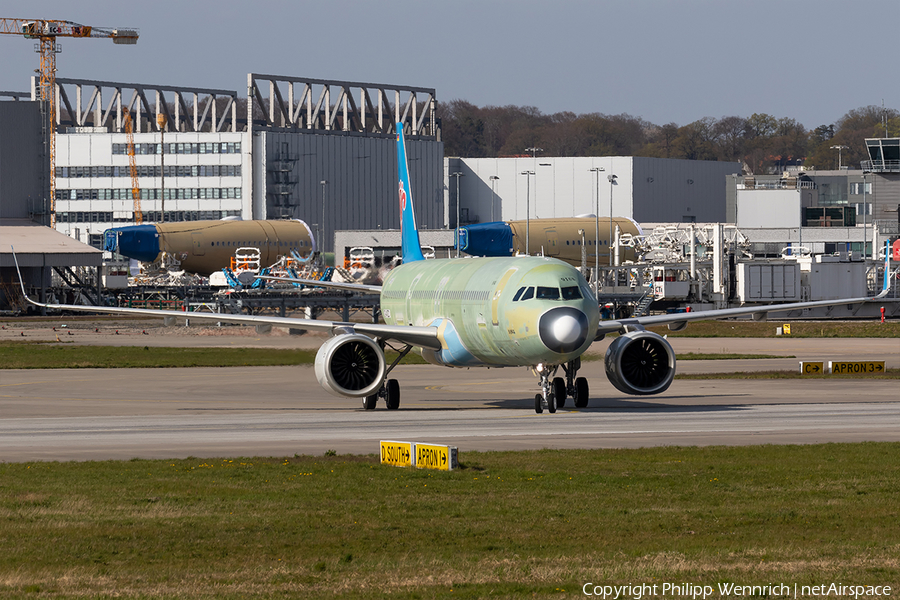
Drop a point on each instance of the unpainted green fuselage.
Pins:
(471, 301)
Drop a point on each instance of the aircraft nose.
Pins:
(563, 329)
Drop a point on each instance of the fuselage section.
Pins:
(206, 246)
(556, 237)
(495, 311)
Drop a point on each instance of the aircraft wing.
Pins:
(678, 321)
(425, 337)
(337, 285)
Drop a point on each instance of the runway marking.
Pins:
(3, 385)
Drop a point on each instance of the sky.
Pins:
(666, 61)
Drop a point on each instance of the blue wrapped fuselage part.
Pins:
(486, 239)
(140, 242)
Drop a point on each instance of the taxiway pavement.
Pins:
(87, 414)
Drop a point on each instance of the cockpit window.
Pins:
(571, 293)
(547, 293)
(529, 294)
(518, 294)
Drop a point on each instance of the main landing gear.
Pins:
(555, 389)
(390, 389)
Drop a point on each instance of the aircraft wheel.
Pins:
(581, 392)
(393, 394)
(538, 404)
(369, 402)
(559, 392)
(551, 403)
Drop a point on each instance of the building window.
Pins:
(857, 188)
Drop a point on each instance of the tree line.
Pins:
(762, 142)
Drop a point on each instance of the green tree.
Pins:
(851, 131)
(696, 141)
(462, 129)
(660, 141)
(731, 133)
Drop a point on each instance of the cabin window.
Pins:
(529, 294)
(547, 293)
(571, 293)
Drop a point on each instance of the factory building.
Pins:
(318, 150)
(643, 189)
(23, 170)
(842, 211)
(324, 151)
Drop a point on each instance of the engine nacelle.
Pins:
(640, 363)
(350, 365)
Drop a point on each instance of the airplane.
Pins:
(203, 247)
(526, 311)
(556, 237)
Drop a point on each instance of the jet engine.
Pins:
(350, 365)
(640, 363)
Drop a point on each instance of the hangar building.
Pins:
(317, 150)
(643, 189)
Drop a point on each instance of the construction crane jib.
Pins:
(46, 31)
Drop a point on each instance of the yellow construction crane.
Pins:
(46, 31)
(132, 167)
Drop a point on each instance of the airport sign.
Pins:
(812, 367)
(869, 367)
(442, 458)
(398, 454)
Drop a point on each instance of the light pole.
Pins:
(612, 182)
(324, 183)
(865, 210)
(493, 195)
(534, 150)
(527, 175)
(597, 170)
(457, 174)
(839, 148)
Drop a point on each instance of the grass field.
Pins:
(505, 525)
(726, 328)
(47, 355)
(803, 329)
(30, 355)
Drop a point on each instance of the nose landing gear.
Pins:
(547, 397)
(554, 390)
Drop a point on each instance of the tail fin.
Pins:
(409, 234)
(887, 270)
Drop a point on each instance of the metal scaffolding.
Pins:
(185, 109)
(328, 105)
